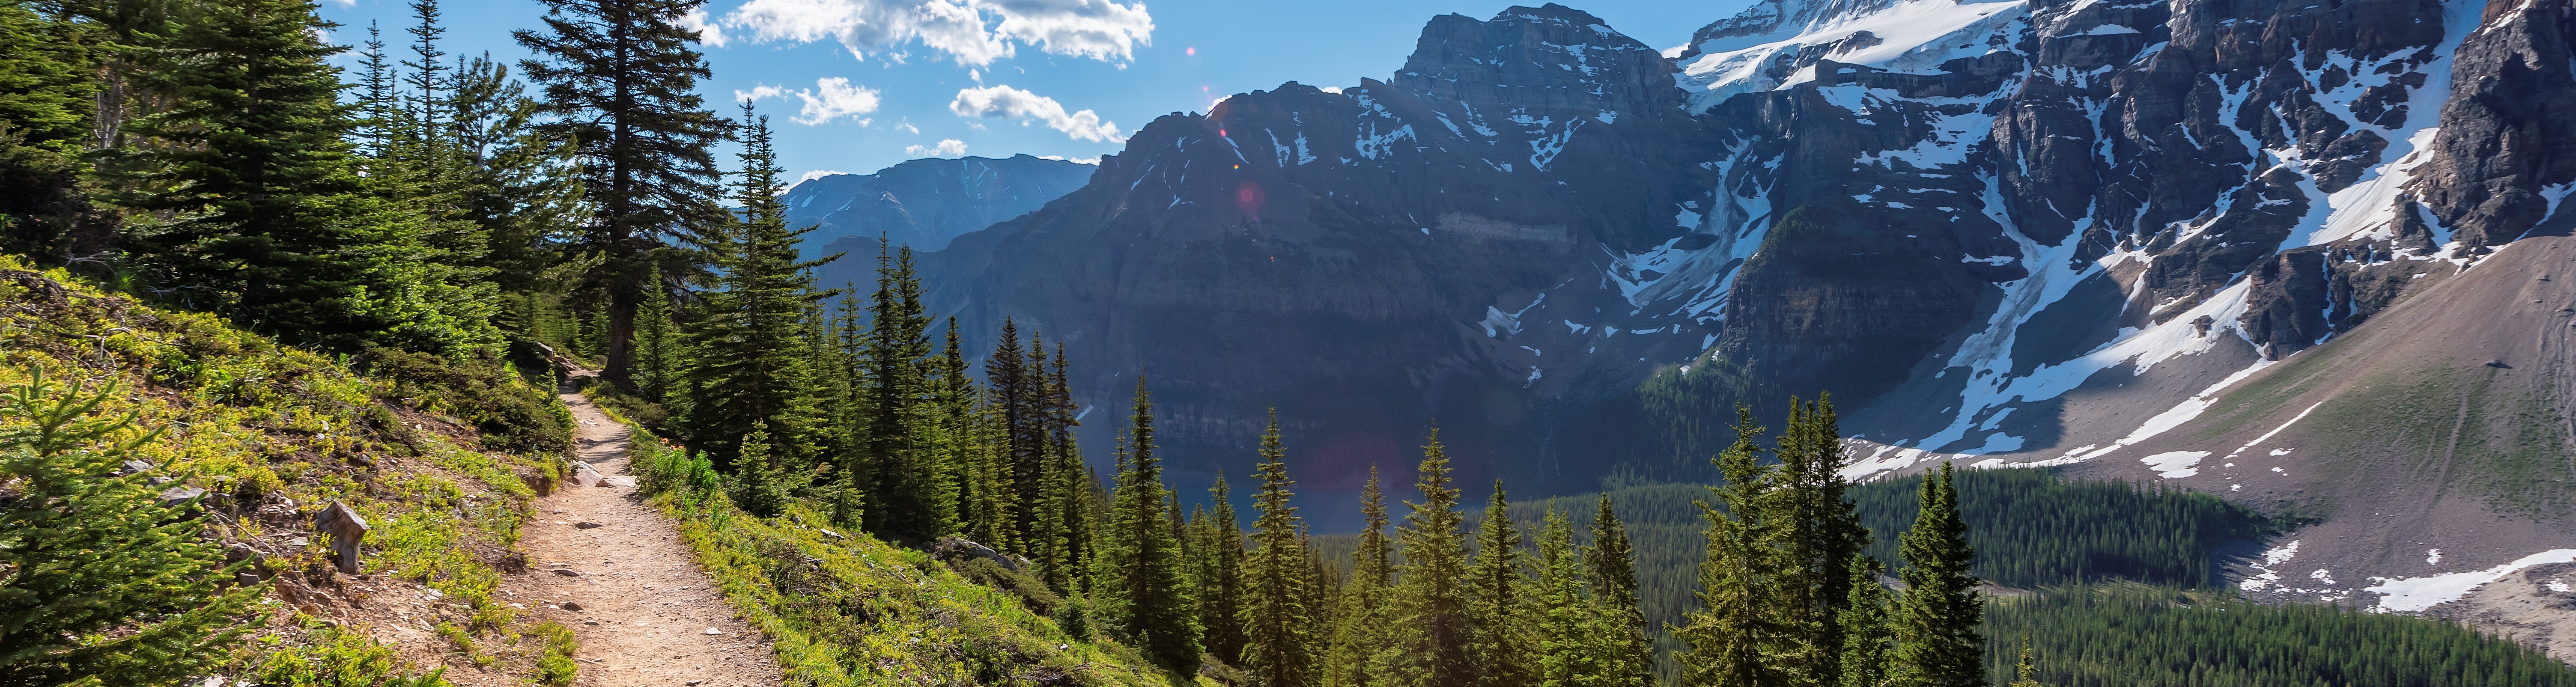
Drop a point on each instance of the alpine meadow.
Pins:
(1756, 343)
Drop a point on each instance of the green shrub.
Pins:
(511, 414)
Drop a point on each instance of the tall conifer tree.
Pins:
(1734, 636)
(620, 80)
(1363, 622)
(1434, 626)
(1146, 597)
(1866, 635)
(1937, 641)
(1610, 564)
(1279, 627)
(1503, 644)
(1221, 593)
(751, 367)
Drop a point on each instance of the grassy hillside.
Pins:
(848, 609)
(273, 435)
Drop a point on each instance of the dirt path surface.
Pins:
(645, 609)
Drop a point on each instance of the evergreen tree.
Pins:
(1279, 627)
(1502, 644)
(750, 365)
(1579, 643)
(1610, 564)
(1936, 619)
(1816, 532)
(2025, 673)
(1866, 635)
(46, 103)
(1144, 597)
(1434, 625)
(266, 222)
(903, 474)
(758, 488)
(657, 344)
(1220, 592)
(619, 80)
(1361, 623)
(107, 584)
(1734, 636)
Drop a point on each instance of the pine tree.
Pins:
(1434, 627)
(750, 366)
(1577, 643)
(2025, 673)
(758, 488)
(620, 80)
(1279, 628)
(1145, 596)
(905, 474)
(1221, 593)
(1610, 564)
(1734, 636)
(1816, 532)
(1502, 644)
(46, 104)
(1936, 619)
(246, 159)
(1362, 622)
(107, 585)
(1866, 635)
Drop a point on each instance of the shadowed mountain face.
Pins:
(925, 203)
(2051, 233)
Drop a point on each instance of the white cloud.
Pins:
(817, 174)
(1076, 160)
(709, 32)
(1012, 103)
(948, 147)
(972, 32)
(907, 126)
(831, 98)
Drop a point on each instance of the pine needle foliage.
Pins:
(103, 581)
(1279, 621)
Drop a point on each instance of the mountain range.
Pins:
(2307, 256)
(924, 203)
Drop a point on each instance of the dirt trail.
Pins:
(645, 606)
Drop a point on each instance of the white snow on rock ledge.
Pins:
(1914, 36)
(2412, 594)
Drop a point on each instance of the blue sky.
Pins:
(857, 85)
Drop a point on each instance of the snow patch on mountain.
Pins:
(2412, 594)
(1906, 37)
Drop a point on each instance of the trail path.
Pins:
(645, 606)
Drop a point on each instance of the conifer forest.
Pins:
(335, 356)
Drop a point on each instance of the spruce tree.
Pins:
(1361, 623)
(1578, 642)
(265, 217)
(751, 366)
(620, 82)
(1434, 627)
(1816, 532)
(1145, 598)
(1502, 642)
(2026, 672)
(1867, 638)
(1279, 627)
(1221, 592)
(108, 585)
(1734, 637)
(1610, 564)
(47, 100)
(1936, 619)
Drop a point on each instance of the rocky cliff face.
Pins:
(2042, 232)
(925, 203)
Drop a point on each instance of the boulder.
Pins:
(347, 531)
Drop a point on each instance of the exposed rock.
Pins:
(959, 548)
(566, 572)
(588, 525)
(347, 531)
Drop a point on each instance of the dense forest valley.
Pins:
(283, 347)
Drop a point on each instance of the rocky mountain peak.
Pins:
(1541, 69)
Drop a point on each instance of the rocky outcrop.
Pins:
(2000, 228)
